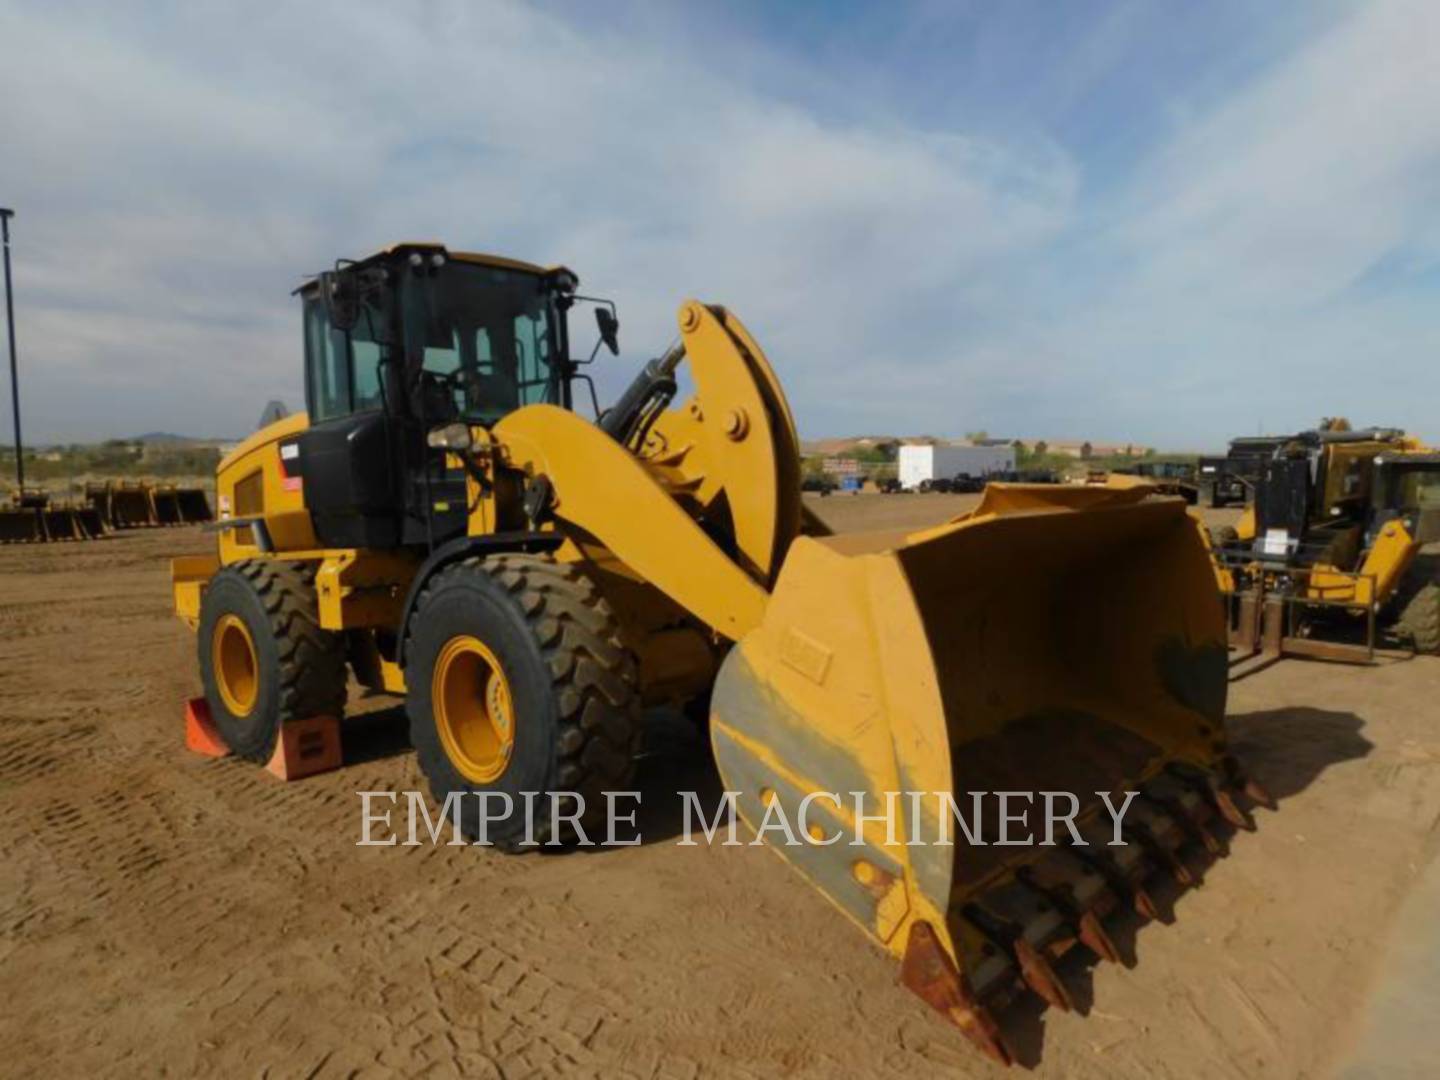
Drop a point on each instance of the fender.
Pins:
(462, 547)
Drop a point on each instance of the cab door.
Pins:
(348, 457)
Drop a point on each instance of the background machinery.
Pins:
(1228, 479)
(1168, 478)
(443, 524)
(33, 517)
(1335, 545)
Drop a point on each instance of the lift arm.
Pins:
(728, 457)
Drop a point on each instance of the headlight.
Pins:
(449, 437)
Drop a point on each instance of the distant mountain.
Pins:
(849, 443)
(275, 409)
(166, 437)
(169, 438)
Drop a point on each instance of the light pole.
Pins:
(5, 216)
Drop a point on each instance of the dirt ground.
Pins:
(163, 914)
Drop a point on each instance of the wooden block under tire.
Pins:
(306, 747)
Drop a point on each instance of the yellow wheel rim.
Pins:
(473, 713)
(237, 669)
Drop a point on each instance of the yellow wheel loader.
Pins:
(1334, 546)
(443, 524)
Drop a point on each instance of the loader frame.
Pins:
(682, 568)
(1262, 616)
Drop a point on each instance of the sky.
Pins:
(1159, 222)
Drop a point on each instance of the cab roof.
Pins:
(430, 246)
(1421, 459)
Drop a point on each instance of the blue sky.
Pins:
(1158, 222)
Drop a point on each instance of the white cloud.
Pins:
(174, 180)
(1298, 185)
(1229, 290)
(176, 175)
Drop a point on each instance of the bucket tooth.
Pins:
(1186, 808)
(1127, 859)
(1238, 780)
(1040, 976)
(1081, 893)
(1257, 794)
(1168, 832)
(1228, 808)
(1034, 968)
(1218, 793)
(1160, 853)
(1014, 908)
(1122, 880)
(1143, 903)
(928, 971)
(1065, 876)
(1053, 925)
(1156, 823)
(1195, 830)
(1092, 933)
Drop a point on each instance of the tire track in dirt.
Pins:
(161, 912)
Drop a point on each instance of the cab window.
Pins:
(493, 328)
(343, 370)
(327, 390)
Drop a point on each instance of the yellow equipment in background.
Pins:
(445, 525)
(1334, 542)
(134, 505)
(32, 518)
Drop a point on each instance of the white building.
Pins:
(918, 463)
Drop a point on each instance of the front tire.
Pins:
(263, 658)
(518, 682)
(1419, 619)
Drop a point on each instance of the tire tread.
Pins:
(311, 660)
(594, 676)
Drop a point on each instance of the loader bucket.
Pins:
(100, 497)
(92, 524)
(132, 506)
(22, 526)
(167, 506)
(61, 523)
(1054, 640)
(193, 504)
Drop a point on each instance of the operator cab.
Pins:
(1313, 497)
(1407, 488)
(407, 342)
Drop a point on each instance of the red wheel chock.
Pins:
(305, 747)
(200, 734)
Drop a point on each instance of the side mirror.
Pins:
(340, 293)
(609, 329)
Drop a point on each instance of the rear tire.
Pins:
(263, 658)
(1419, 619)
(571, 715)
